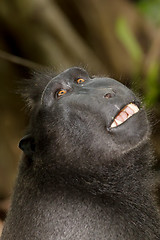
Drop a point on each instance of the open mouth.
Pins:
(124, 114)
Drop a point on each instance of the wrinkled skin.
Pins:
(79, 178)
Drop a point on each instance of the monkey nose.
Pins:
(109, 94)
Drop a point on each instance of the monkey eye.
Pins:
(80, 80)
(60, 93)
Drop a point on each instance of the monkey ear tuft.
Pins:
(27, 145)
(32, 88)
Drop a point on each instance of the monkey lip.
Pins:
(124, 114)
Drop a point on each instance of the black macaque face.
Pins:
(84, 123)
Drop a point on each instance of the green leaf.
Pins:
(128, 39)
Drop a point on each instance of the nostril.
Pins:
(108, 95)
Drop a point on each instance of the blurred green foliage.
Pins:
(126, 36)
(151, 9)
(152, 86)
(151, 76)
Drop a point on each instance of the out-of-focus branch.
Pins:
(55, 22)
(18, 60)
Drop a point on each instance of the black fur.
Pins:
(79, 179)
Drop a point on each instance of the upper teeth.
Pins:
(124, 114)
